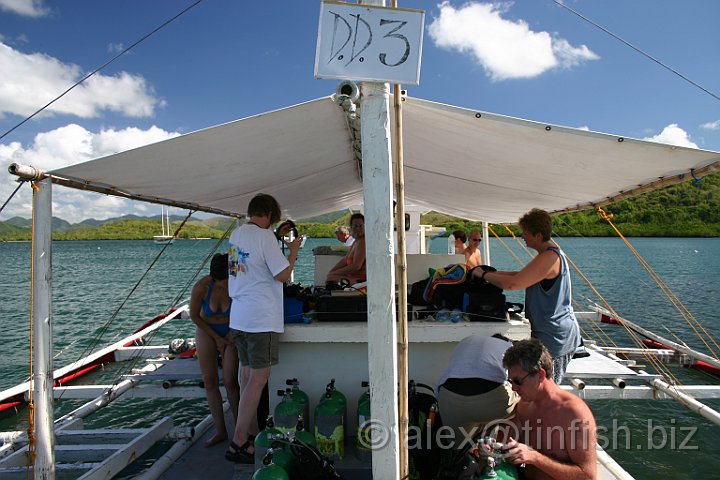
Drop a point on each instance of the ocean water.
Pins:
(91, 280)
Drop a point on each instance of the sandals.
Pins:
(240, 453)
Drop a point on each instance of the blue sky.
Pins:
(225, 60)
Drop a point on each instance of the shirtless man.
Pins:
(556, 428)
(473, 258)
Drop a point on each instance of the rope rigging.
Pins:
(132, 363)
(97, 337)
(12, 195)
(645, 54)
(674, 300)
(101, 67)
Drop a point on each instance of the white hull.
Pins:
(163, 239)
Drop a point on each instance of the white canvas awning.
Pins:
(465, 163)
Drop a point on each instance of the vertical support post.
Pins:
(486, 244)
(401, 267)
(382, 335)
(44, 465)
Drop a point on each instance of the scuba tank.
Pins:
(263, 441)
(366, 394)
(303, 435)
(363, 439)
(301, 398)
(282, 457)
(495, 467)
(330, 427)
(338, 396)
(270, 470)
(286, 412)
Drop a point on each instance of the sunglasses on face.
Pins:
(475, 239)
(519, 381)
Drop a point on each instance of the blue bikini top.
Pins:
(207, 311)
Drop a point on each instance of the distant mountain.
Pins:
(18, 222)
(91, 222)
(8, 230)
(218, 223)
(25, 223)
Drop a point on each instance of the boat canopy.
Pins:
(466, 163)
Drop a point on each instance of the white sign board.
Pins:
(364, 42)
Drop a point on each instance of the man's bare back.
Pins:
(558, 429)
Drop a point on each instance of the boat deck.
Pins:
(201, 462)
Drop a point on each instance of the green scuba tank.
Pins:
(336, 393)
(302, 434)
(503, 471)
(282, 457)
(286, 412)
(363, 439)
(339, 396)
(263, 441)
(495, 467)
(270, 470)
(301, 398)
(366, 394)
(330, 427)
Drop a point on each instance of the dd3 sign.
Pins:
(365, 42)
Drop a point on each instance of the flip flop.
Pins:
(240, 453)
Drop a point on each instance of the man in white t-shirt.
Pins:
(474, 389)
(343, 235)
(257, 269)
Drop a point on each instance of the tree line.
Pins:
(688, 209)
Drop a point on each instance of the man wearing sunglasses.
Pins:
(556, 430)
(473, 258)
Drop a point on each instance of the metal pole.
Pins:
(44, 465)
(486, 243)
(689, 402)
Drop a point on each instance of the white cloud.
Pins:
(673, 135)
(65, 146)
(711, 125)
(506, 49)
(29, 81)
(115, 47)
(26, 8)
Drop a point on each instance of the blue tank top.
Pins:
(551, 314)
(207, 311)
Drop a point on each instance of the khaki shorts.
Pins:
(257, 350)
(468, 415)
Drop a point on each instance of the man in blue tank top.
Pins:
(548, 291)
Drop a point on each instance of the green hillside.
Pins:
(689, 209)
(135, 230)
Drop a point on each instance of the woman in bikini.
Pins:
(210, 310)
(352, 265)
